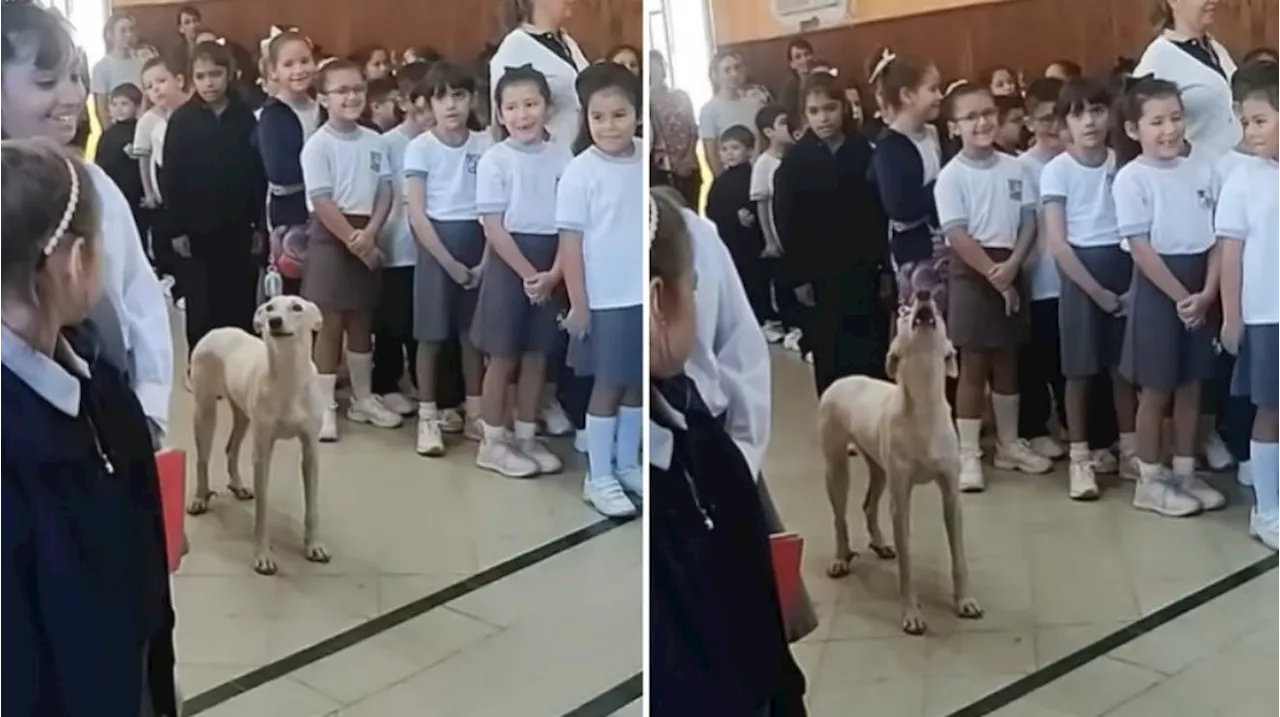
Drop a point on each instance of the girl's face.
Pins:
(854, 98)
(524, 112)
(800, 60)
(825, 115)
(295, 68)
(1160, 130)
(163, 88)
(925, 99)
(385, 112)
(629, 60)
(344, 95)
(555, 12)
(1011, 129)
(729, 73)
(451, 109)
(1088, 127)
(378, 66)
(611, 118)
(125, 34)
(41, 103)
(210, 80)
(1260, 121)
(975, 120)
(672, 325)
(188, 25)
(70, 281)
(1003, 83)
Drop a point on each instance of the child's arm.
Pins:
(142, 150)
(762, 198)
(502, 243)
(317, 174)
(1231, 225)
(1154, 268)
(382, 200)
(569, 258)
(969, 250)
(1135, 214)
(415, 196)
(1055, 242)
(764, 209)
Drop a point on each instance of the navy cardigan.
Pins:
(279, 142)
(908, 201)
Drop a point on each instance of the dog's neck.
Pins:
(924, 386)
(287, 361)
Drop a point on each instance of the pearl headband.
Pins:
(73, 201)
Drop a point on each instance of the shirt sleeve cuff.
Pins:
(1135, 229)
(955, 224)
(316, 192)
(570, 226)
(1053, 199)
(1231, 233)
(483, 208)
(415, 174)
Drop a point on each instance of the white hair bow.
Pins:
(886, 57)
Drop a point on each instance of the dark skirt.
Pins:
(332, 277)
(1091, 338)
(976, 317)
(1255, 374)
(613, 350)
(1159, 352)
(441, 307)
(506, 324)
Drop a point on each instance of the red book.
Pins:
(171, 464)
(787, 550)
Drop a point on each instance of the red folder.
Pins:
(787, 550)
(171, 464)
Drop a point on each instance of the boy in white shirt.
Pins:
(774, 126)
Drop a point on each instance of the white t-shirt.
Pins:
(347, 167)
(988, 198)
(398, 246)
(450, 173)
(1086, 193)
(1040, 266)
(518, 48)
(602, 196)
(719, 114)
(111, 72)
(1212, 127)
(1249, 210)
(1228, 163)
(148, 141)
(1170, 202)
(762, 172)
(519, 181)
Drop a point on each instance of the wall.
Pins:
(1026, 34)
(457, 28)
(737, 21)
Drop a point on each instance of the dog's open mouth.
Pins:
(924, 316)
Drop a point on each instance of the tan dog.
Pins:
(269, 383)
(905, 434)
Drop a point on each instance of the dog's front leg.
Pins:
(871, 511)
(314, 549)
(900, 508)
(263, 444)
(966, 605)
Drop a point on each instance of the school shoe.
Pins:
(399, 403)
(607, 496)
(773, 332)
(450, 420)
(329, 425)
(791, 341)
(1265, 528)
(554, 421)
(370, 410)
(1082, 483)
(1216, 454)
(1048, 447)
(633, 483)
(1244, 475)
(429, 442)
(1105, 463)
(1163, 496)
(972, 479)
(1196, 487)
(1019, 456)
(543, 458)
(501, 456)
(472, 428)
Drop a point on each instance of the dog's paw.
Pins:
(969, 609)
(884, 552)
(264, 565)
(841, 567)
(240, 492)
(913, 623)
(200, 504)
(317, 553)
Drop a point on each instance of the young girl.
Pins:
(986, 208)
(84, 571)
(1248, 227)
(627, 56)
(515, 196)
(374, 61)
(731, 106)
(600, 221)
(214, 191)
(440, 196)
(1081, 233)
(1001, 81)
(1164, 208)
(347, 172)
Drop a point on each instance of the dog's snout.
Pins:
(924, 295)
(924, 316)
(275, 323)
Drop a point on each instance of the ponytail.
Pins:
(514, 13)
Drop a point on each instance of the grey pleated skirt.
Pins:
(1159, 352)
(1255, 373)
(613, 350)
(1091, 339)
(976, 317)
(441, 307)
(506, 324)
(805, 619)
(333, 278)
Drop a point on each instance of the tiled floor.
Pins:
(542, 641)
(1053, 576)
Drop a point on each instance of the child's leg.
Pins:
(1077, 400)
(1216, 394)
(530, 389)
(1124, 401)
(494, 408)
(327, 352)
(626, 454)
(388, 363)
(970, 397)
(472, 380)
(1037, 362)
(1186, 420)
(496, 453)
(448, 389)
(602, 488)
(1012, 453)
(1156, 490)
(1265, 457)
(364, 407)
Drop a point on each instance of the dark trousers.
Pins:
(1234, 413)
(573, 391)
(1040, 381)
(220, 282)
(790, 313)
(850, 325)
(752, 271)
(393, 342)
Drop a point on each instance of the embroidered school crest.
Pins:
(375, 162)
(472, 161)
(1206, 198)
(1015, 189)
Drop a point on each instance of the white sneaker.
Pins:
(1083, 485)
(580, 442)
(399, 404)
(1019, 456)
(450, 420)
(791, 341)
(329, 425)
(606, 495)
(1244, 476)
(502, 457)
(472, 428)
(1105, 463)
(633, 482)
(1195, 486)
(1163, 497)
(1048, 447)
(429, 442)
(555, 422)
(972, 479)
(1265, 529)
(1128, 466)
(773, 332)
(370, 410)
(1216, 454)
(543, 458)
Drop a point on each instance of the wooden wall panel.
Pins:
(1026, 34)
(457, 28)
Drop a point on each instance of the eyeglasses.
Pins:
(348, 90)
(988, 114)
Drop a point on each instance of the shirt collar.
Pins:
(661, 439)
(56, 379)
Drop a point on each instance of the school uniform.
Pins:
(115, 155)
(599, 198)
(88, 615)
(517, 183)
(441, 307)
(906, 169)
(148, 147)
(349, 167)
(283, 129)
(559, 58)
(393, 342)
(1170, 203)
(729, 195)
(778, 292)
(991, 199)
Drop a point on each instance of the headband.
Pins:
(73, 201)
(955, 86)
(886, 57)
(653, 220)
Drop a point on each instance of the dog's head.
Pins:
(284, 317)
(921, 334)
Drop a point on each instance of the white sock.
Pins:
(526, 430)
(969, 431)
(360, 367)
(1150, 471)
(326, 384)
(1264, 459)
(1005, 407)
(600, 441)
(627, 450)
(1184, 466)
(472, 406)
(1080, 452)
(1128, 444)
(492, 434)
(427, 409)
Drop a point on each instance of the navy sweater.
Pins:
(908, 201)
(279, 142)
(729, 194)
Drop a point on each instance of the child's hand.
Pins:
(804, 294)
(1193, 309)
(1011, 301)
(362, 242)
(1230, 337)
(576, 322)
(150, 202)
(771, 251)
(1002, 275)
(474, 274)
(746, 218)
(182, 246)
(539, 286)
(459, 272)
(1109, 302)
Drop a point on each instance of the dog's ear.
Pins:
(891, 363)
(260, 320)
(953, 368)
(314, 318)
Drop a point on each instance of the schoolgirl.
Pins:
(347, 173)
(986, 208)
(1164, 208)
(374, 61)
(44, 96)
(731, 106)
(516, 198)
(1248, 227)
(440, 198)
(1083, 237)
(600, 224)
(906, 162)
(285, 123)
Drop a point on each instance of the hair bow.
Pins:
(882, 64)
(1132, 80)
(520, 68)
